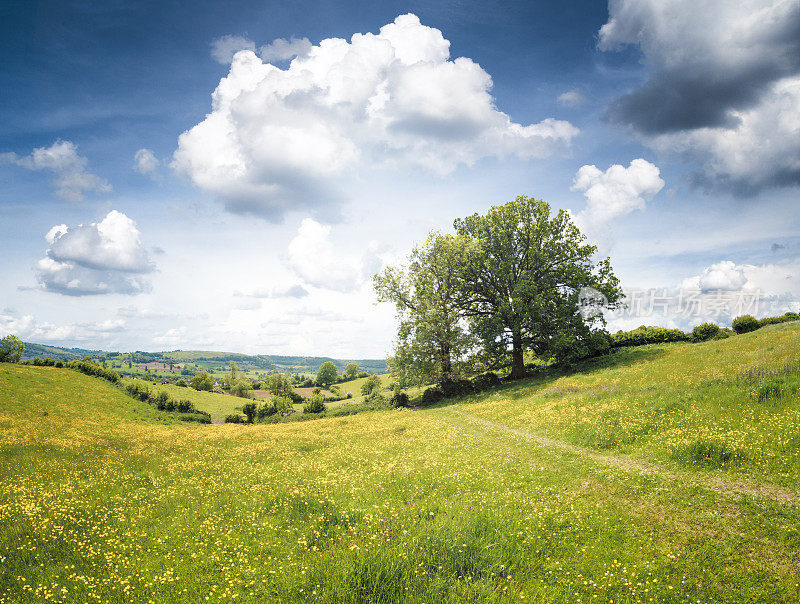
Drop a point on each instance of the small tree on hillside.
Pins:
(370, 385)
(327, 374)
(202, 381)
(11, 349)
(351, 371)
(278, 384)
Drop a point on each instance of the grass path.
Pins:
(708, 480)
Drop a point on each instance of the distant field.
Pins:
(585, 486)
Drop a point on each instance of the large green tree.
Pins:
(351, 371)
(327, 374)
(429, 296)
(523, 276)
(11, 349)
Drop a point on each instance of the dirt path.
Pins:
(728, 486)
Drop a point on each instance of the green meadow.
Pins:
(662, 473)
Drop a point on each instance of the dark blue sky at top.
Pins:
(117, 76)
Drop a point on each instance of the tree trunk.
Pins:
(518, 365)
(447, 366)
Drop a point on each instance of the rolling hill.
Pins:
(206, 358)
(663, 473)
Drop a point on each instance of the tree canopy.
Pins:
(523, 278)
(430, 297)
(327, 374)
(11, 349)
(351, 371)
(508, 281)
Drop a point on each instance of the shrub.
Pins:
(745, 324)
(372, 384)
(138, 391)
(399, 399)
(283, 404)
(202, 381)
(266, 409)
(59, 364)
(43, 362)
(484, 381)
(704, 332)
(452, 388)
(184, 406)
(181, 382)
(432, 395)
(316, 404)
(789, 316)
(234, 418)
(249, 410)
(647, 335)
(724, 333)
(89, 367)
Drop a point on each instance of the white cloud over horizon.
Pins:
(279, 139)
(99, 258)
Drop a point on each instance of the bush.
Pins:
(647, 335)
(266, 409)
(249, 410)
(745, 324)
(89, 367)
(484, 381)
(138, 391)
(316, 404)
(704, 332)
(181, 382)
(43, 362)
(234, 418)
(202, 381)
(432, 395)
(59, 364)
(372, 384)
(789, 316)
(184, 406)
(451, 388)
(399, 399)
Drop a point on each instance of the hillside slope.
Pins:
(101, 501)
(694, 404)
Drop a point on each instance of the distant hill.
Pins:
(204, 358)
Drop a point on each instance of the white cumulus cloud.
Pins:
(224, 47)
(98, 258)
(313, 257)
(62, 158)
(282, 49)
(278, 138)
(616, 192)
(145, 161)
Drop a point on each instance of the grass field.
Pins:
(571, 488)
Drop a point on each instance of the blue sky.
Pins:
(675, 144)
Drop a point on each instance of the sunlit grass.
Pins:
(107, 499)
